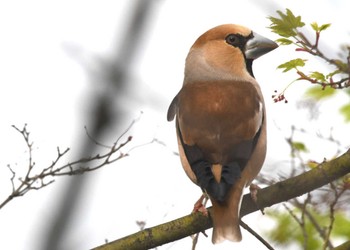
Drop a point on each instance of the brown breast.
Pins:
(219, 116)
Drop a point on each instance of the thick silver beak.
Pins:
(258, 46)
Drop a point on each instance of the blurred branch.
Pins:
(319, 176)
(344, 246)
(337, 195)
(106, 111)
(38, 180)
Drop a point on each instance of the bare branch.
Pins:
(12, 178)
(46, 176)
(338, 194)
(256, 235)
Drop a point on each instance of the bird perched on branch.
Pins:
(221, 120)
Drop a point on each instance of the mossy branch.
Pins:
(282, 191)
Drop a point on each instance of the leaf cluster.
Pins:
(291, 30)
(286, 26)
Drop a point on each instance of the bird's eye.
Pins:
(233, 40)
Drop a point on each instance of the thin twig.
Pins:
(337, 194)
(39, 180)
(256, 235)
(303, 211)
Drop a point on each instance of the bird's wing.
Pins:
(172, 110)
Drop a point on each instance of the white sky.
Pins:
(45, 87)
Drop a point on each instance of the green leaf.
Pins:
(325, 26)
(288, 231)
(285, 228)
(284, 41)
(312, 164)
(345, 111)
(292, 64)
(342, 225)
(342, 66)
(318, 76)
(287, 24)
(317, 28)
(347, 91)
(299, 146)
(319, 93)
(333, 73)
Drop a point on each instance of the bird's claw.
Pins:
(199, 206)
(254, 194)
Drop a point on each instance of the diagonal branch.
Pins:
(344, 246)
(282, 191)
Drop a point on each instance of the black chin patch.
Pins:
(249, 66)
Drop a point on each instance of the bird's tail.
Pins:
(226, 216)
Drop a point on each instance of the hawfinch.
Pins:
(221, 120)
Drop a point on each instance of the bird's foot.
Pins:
(254, 194)
(254, 191)
(199, 206)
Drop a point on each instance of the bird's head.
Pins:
(225, 52)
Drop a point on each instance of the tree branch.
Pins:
(282, 191)
(37, 179)
(344, 246)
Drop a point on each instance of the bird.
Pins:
(221, 120)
